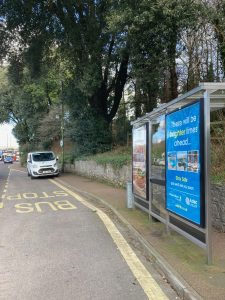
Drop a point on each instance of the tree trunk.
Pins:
(173, 82)
(100, 101)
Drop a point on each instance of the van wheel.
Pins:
(31, 176)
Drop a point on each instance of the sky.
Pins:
(7, 139)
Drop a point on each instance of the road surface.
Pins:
(56, 245)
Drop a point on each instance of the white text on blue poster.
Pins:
(183, 162)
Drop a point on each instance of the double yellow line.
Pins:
(4, 191)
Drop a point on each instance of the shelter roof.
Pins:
(215, 91)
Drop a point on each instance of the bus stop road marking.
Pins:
(4, 192)
(147, 282)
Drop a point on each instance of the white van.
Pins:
(43, 163)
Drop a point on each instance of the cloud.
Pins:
(7, 139)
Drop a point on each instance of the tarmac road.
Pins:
(55, 245)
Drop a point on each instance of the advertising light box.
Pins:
(139, 162)
(184, 163)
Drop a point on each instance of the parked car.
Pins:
(8, 159)
(43, 163)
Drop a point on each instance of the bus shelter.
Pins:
(171, 162)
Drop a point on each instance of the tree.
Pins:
(76, 31)
(215, 14)
(92, 48)
(25, 101)
(99, 58)
(49, 129)
(154, 30)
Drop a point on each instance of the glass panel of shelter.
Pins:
(157, 166)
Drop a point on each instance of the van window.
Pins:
(43, 156)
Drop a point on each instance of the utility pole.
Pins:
(62, 126)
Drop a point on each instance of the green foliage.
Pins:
(218, 178)
(27, 102)
(24, 150)
(153, 29)
(68, 158)
(121, 126)
(15, 70)
(117, 161)
(46, 145)
(214, 12)
(95, 57)
(90, 132)
(49, 129)
(83, 53)
(117, 158)
(98, 58)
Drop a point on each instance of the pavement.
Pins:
(182, 263)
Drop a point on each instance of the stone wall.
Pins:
(120, 177)
(218, 206)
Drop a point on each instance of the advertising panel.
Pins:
(184, 159)
(158, 148)
(139, 161)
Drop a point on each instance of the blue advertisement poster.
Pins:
(183, 162)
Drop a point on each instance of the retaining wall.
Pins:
(218, 206)
(120, 177)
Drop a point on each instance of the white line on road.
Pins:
(18, 170)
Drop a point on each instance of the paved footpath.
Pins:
(181, 262)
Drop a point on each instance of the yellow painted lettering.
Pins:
(24, 208)
(14, 197)
(46, 195)
(60, 193)
(37, 205)
(30, 195)
(64, 205)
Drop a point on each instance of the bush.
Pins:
(91, 133)
(117, 158)
(24, 150)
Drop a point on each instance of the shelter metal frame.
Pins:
(213, 96)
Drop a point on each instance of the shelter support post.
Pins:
(207, 177)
